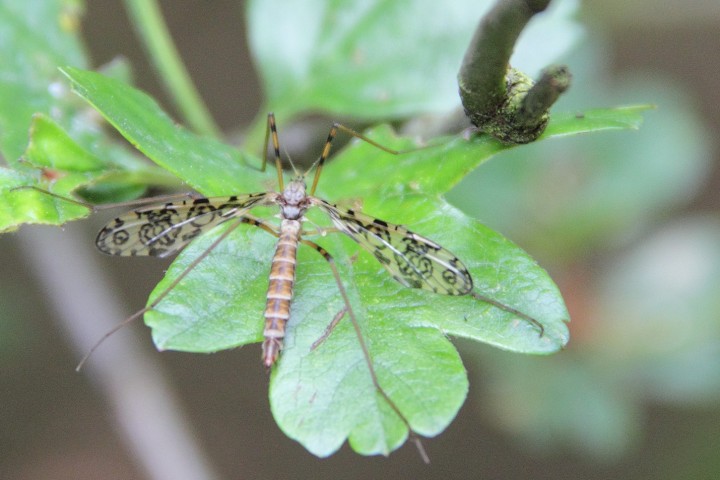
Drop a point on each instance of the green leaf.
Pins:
(597, 120)
(36, 36)
(585, 192)
(395, 319)
(68, 152)
(353, 58)
(220, 303)
(437, 168)
(50, 147)
(205, 164)
(54, 162)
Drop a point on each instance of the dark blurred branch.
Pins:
(147, 414)
(498, 99)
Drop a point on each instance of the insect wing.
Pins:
(160, 231)
(412, 259)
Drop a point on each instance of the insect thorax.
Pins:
(294, 200)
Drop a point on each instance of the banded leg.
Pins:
(328, 145)
(271, 131)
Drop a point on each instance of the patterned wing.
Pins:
(413, 260)
(160, 231)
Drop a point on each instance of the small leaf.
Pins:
(32, 206)
(50, 147)
(33, 43)
(56, 163)
(67, 150)
(52, 161)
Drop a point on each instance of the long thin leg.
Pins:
(256, 222)
(271, 130)
(508, 309)
(107, 206)
(328, 145)
(323, 156)
(165, 292)
(363, 346)
(322, 231)
(331, 326)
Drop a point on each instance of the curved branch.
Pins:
(498, 99)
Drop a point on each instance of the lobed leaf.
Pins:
(321, 397)
(324, 396)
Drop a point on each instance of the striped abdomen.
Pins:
(280, 290)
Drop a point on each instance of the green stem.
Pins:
(147, 19)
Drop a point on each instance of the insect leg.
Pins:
(164, 293)
(336, 319)
(328, 145)
(108, 206)
(256, 222)
(321, 231)
(508, 309)
(271, 130)
(323, 156)
(363, 346)
(362, 137)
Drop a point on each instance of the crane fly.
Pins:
(411, 259)
(160, 230)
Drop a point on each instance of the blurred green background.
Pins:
(626, 222)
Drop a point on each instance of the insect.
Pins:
(163, 229)
(411, 259)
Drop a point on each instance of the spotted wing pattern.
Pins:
(160, 231)
(413, 260)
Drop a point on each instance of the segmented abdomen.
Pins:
(280, 290)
